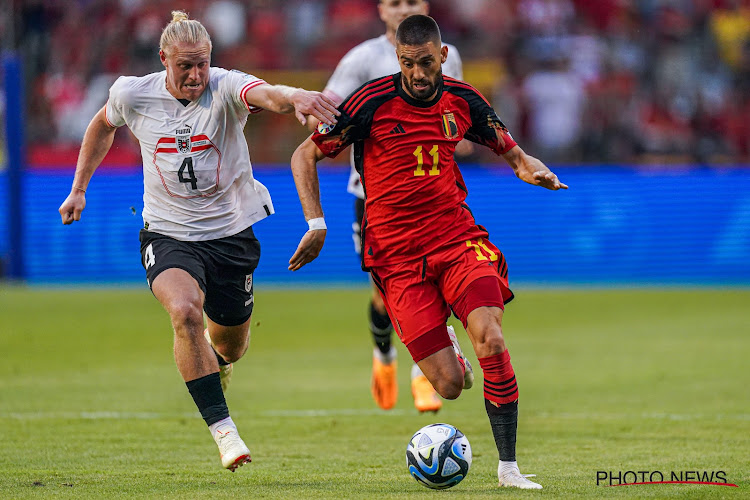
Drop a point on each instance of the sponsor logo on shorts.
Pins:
(249, 289)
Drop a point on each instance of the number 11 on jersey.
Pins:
(420, 161)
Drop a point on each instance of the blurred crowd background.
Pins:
(663, 82)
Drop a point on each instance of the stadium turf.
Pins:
(91, 405)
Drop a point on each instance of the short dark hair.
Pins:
(418, 30)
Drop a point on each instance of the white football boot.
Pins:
(469, 373)
(509, 476)
(232, 449)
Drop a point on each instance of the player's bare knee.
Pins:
(452, 391)
(492, 344)
(233, 346)
(489, 341)
(378, 304)
(232, 359)
(232, 352)
(450, 387)
(186, 315)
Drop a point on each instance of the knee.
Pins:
(186, 315)
(493, 344)
(450, 387)
(232, 351)
(378, 304)
(485, 329)
(232, 356)
(232, 344)
(490, 341)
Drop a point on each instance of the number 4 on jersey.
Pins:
(187, 164)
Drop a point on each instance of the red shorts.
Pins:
(420, 294)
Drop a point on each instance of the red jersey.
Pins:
(403, 150)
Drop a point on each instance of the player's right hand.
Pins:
(308, 249)
(71, 208)
(315, 104)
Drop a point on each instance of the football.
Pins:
(438, 456)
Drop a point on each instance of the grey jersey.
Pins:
(369, 60)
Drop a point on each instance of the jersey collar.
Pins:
(181, 101)
(416, 102)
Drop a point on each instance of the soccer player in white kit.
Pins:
(200, 201)
(369, 60)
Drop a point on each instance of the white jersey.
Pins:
(369, 60)
(197, 177)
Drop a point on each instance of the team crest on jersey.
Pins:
(450, 128)
(183, 139)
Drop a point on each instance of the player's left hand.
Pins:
(548, 180)
(308, 249)
(71, 208)
(316, 104)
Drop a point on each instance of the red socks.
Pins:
(499, 379)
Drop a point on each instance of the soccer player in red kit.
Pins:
(419, 239)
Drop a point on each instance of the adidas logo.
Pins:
(398, 129)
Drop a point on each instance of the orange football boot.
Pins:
(425, 397)
(384, 385)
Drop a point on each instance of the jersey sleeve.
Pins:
(486, 128)
(349, 74)
(333, 139)
(237, 85)
(353, 125)
(114, 110)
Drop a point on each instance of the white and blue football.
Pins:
(438, 456)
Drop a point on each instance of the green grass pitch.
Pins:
(91, 405)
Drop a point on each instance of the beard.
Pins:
(426, 92)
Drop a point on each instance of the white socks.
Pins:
(221, 424)
(386, 359)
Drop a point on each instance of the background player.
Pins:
(200, 201)
(371, 59)
(425, 252)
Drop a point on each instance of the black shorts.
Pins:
(359, 214)
(223, 269)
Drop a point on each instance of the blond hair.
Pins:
(183, 29)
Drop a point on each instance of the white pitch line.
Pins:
(90, 415)
(348, 412)
(332, 413)
(124, 415)
(652, 415)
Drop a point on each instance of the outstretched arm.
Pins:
(305, 171)
(532, 170)
(96, 143)
(283, 99)
(312, 122)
